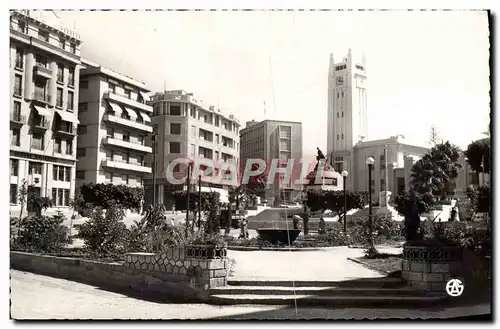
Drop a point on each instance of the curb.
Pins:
(382, 246)
(368, 266)
(241, 248)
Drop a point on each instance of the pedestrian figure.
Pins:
(322, 225)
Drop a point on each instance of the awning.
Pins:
(131, 113)
(144, 95)
(43, 111)
(116, 108)
(69, 117)
(145, 117)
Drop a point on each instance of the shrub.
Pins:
(106, 196)
(104, 232)
(42, 234)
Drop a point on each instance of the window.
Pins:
(70, 100)
(16, 113)
(62, 43)
(474, 178)
(127, 157)
(35, 168)
(15, 137)
(66, 197)
(80, 174)
(192, 150)
(59, 97)
(217, 138)
(82, 130)
(37, 141)
(382, 184)
(84, 84)
(342, 136)
(18, 80)
(216, 155)
(72, 48)
(401, 184)
(43, 35)
(19, 58)
(342, 114)
(192, 111)
(67, 174)
(112, 87)
(58, 145)
(21, 26)
(175, 109)
(60, 73)
(175, 147)
(128, 94)
(82, 107)
(337, 136)
(175, 129)
(342, 94)
(359, 67)
(126, 137)
(41, 61)
(60, 197)
(337, 115)
(69, 147)
(14, 167)
(80, 152)
(337, 95)
(13, 193)
(217, 121)
(110, 132)
(193, 131)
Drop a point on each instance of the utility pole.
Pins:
(386, 172)
(199, 202)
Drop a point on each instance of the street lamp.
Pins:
(344, 177)
(153, 140)
(189, 169)
(370, 161)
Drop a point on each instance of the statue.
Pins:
(319, 157)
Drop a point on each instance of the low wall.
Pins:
(430, 269)
(171, 276)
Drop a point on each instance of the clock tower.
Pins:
(347, 116)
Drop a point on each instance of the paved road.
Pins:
(39, 297)
(327, 264)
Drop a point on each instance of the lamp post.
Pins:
(344, 178)
(199, 202)
(370, 161)
(189, 168)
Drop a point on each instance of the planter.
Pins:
(430, 267)
(274, 236)
(206, 251)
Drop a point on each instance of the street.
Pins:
(37, 297)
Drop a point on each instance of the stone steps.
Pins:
(385, 291)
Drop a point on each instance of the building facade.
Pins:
(115, 123)
(44, 77)
(186, 128)
(272, 139)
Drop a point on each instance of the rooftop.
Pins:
(92, 68)
(48, 18)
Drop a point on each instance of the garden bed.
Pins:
(384, 265)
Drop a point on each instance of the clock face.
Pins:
(340, 81)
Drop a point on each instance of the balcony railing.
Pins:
(126, 165)
(18, 92)
(128, 123)
(43, 124)
(41, 96)
(128, 145)
(17, 118)
(66, 130)
(42, 71)
(126, 101)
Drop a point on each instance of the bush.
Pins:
(104, 233)
(41, 234)
(107, 196)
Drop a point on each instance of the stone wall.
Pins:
(202, 273)
(430, 276)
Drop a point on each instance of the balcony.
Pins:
(128, 145)
(41, 97)
(17, 119)
(128, 123)
(66, 131)
(122, 99)
(19, 64)
(42, 124)
(123, 165)
(42, 72)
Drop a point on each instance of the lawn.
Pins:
(387, 264)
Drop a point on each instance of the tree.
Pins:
(478, 155)
(434, 138)
(108, 195)
(430, 179)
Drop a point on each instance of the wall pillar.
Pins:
(28, 75)
(53, 84)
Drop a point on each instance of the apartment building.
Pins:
(273, 139)
(115, 122)
(44, 76)
(185, 127)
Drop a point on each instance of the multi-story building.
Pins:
(115, 122)
(44, 74)
(269, 140)
(186, 128)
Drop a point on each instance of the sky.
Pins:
(424, 68)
